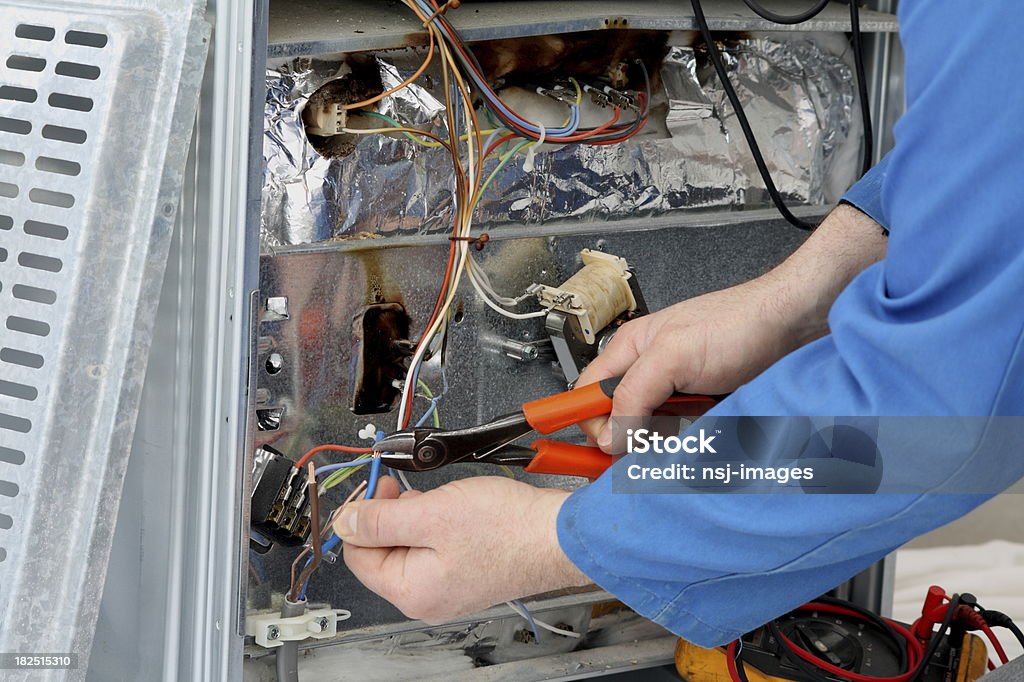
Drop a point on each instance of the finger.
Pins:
(592, 428)
(403, 522)
(643, 389)
(387, 489)
(618, 356)
(615, 361)
(379, 569)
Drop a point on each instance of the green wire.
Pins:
(430, 396)
(504, 162)
(339, 476)
(396, 124)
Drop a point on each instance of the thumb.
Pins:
(385, 523)
(643, 389)
(620, 355)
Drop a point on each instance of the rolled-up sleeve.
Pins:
(935, 329)
(866, 193)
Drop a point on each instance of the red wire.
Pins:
(730, 661)
(333, 448)
(497, 143)
(991, 665)
(995, 643)
(914, 649)
(602, 143)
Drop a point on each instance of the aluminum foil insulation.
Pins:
(798, 92)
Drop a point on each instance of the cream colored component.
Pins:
(597, 294)
(326, 120)
(272, 630)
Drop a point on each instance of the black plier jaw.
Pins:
(432, 448)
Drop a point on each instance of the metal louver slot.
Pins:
(96, 107)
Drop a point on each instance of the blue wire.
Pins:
(371, 488)
(371, 485)
(497, 103)
(327, 468)
(529, 619)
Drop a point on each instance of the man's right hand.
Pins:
(714, 343)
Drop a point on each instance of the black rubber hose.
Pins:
(862, 87)
(741, 116)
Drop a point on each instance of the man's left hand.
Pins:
(457, 549)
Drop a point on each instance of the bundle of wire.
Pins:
(468, 152)
(914, 655)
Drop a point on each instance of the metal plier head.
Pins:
(426, 449)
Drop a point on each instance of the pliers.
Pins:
(425, 449)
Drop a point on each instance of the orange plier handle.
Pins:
(557, 412)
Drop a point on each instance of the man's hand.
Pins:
(714, 343)
(457, 549)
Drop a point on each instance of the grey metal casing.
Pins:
(98, 103)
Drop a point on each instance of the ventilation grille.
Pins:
(50, 77)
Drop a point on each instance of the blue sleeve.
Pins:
(866, 193)
(935, 329)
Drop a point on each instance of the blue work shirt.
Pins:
(934, 329)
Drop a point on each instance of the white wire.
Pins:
(460, 268)
(403, 479)
(494, 306)
(544, 626)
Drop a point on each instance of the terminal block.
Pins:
(280, 508)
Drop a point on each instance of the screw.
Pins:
(275, 363)
(428, 453)
(323, 624)
(273, 632)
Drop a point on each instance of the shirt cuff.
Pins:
(866, 194)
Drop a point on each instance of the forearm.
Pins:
(803, 288)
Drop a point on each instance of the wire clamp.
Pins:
(271, 630)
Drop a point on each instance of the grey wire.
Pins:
(288, 662)
(288, 653)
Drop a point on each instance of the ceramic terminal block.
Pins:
(272, 630)
(329, 119)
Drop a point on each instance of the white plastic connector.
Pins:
(325, 121)
(272, 630)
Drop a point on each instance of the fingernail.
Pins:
(345, 526)
(605, 439)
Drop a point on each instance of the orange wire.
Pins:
(332, 448)
(408, 81)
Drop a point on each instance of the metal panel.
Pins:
(170, 607)
(319, 27)
(326, 287)
(98, 103)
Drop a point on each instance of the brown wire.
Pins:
(314, 517)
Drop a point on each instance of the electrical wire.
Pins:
(911, 653)
(716, 60)
(330, 448)
(936, 638)
(341, 465)
(520, 608)
(524, 613)
(338, 477)
(408, 81)
(1000, 619)
(862, 88)
(748, 133)
(371, 485)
